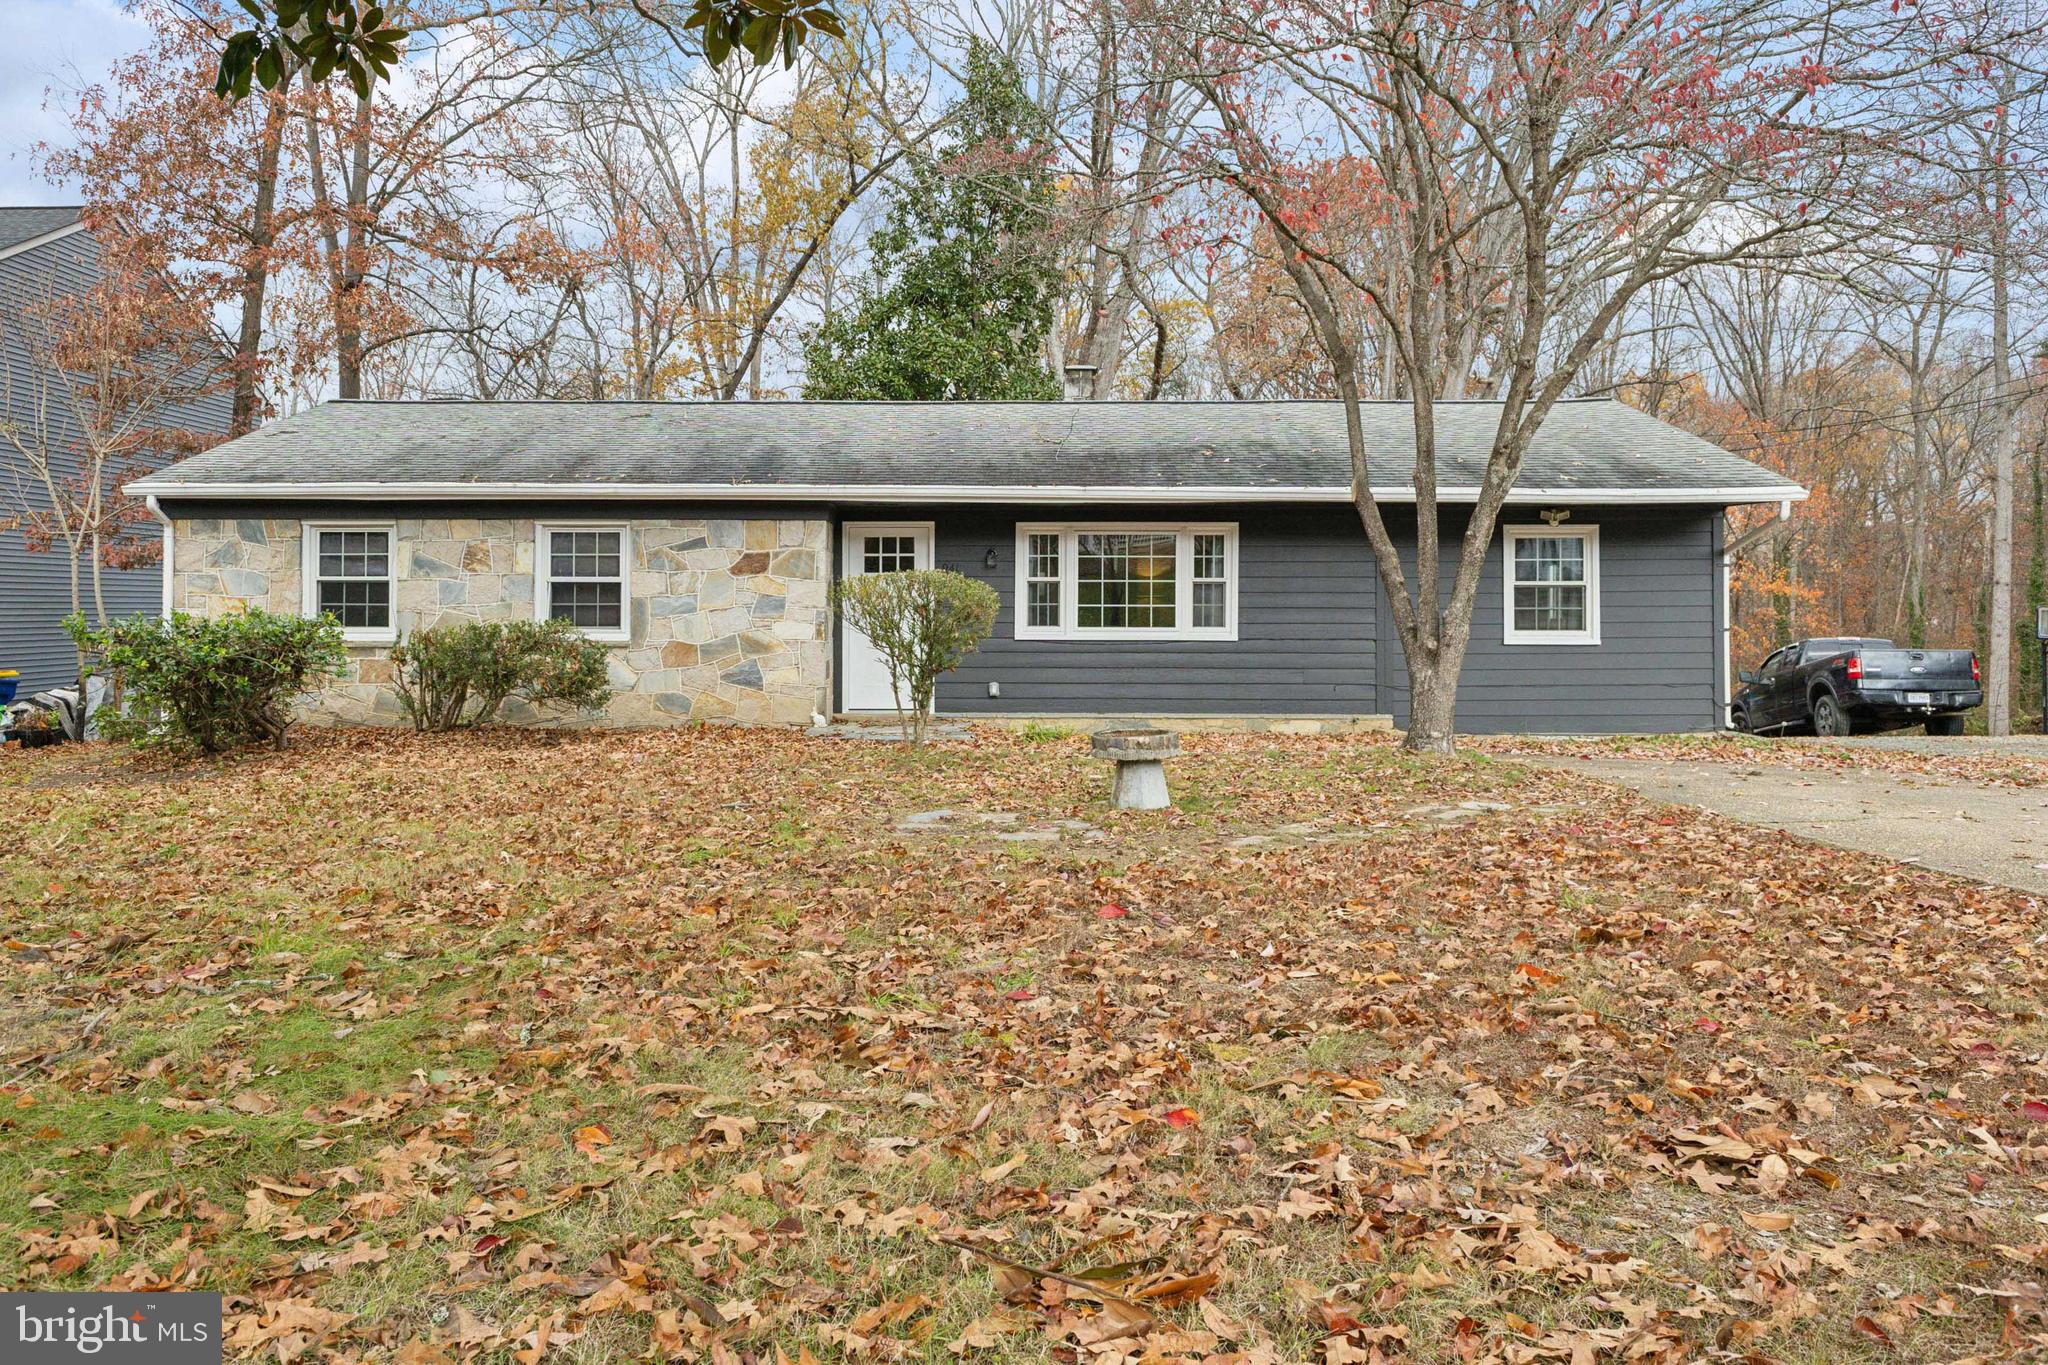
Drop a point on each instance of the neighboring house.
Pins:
(47, 253)
(1152, 559)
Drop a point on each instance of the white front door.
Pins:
(876, 547)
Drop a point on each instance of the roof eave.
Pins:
(41, 239)
(1028, 494)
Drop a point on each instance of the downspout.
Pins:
(1728, 554)
(170, 546)
(1727, 704)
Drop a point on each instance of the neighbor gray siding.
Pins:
(35, 589)
(1306, 636)
(1658, 661)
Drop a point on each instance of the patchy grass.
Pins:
(711, 1044)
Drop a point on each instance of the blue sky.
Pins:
(65, 43)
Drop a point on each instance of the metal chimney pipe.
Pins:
(1080, 385)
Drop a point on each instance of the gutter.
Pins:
(1028, 494)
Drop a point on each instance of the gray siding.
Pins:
(35, 590)
(1306, 632)
(1658, 661)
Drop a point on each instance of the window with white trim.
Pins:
(351, 573)
(581, 576)
(1042, 580)
(1127, 582)
(1551, 576)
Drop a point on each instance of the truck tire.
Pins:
(1946, 726)
(1830, 721)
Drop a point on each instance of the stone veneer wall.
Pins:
(729, 616)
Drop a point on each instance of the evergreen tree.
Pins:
(961, 295)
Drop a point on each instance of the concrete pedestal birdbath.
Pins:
(1140, 756)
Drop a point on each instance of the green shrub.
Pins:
(458, 675)
(922, 624)
(211, 682)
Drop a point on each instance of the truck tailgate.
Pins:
(1917, 670)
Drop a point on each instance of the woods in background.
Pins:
(564, 202)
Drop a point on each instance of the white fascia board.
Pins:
(1030, 494)
(31, 243)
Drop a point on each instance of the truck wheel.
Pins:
(1830, 721)
(1948, 726)
(1740, 720)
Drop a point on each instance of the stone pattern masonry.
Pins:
(729, 616)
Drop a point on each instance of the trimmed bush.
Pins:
(211, 683)
(922, 624)
(454, 676)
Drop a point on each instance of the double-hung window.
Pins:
(350, 570)
(1552, 580)
(581, 576)
(1127, 582)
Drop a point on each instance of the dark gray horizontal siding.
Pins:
(1657, 663)
(1306, 628)
(35, 593)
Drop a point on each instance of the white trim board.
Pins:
(30, 244)
(1031, 494)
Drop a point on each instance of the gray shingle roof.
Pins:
(18, 225)
(1272, 449)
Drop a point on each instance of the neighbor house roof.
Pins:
(20, 227)
(1588, 450)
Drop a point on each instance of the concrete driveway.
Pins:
(1991, 834)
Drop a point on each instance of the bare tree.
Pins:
(112, 372)
(1545, 161)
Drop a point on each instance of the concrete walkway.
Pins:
(1990, 834)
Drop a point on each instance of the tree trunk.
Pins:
(1432, 706)
(256, 263)
(348, 330)
(2037, 595)
(1998, 685)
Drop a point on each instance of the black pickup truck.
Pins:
(1843, 686)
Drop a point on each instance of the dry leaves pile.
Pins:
(1984, 765)
(695, 1046)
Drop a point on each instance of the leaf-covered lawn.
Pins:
(727, 1045)
(1978, 761)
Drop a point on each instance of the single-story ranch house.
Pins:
(1152, 559)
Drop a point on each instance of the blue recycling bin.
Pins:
(10, 679)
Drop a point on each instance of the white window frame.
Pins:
(1184, 534)
(544, 583)
(309, 576)
(1590, 535)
